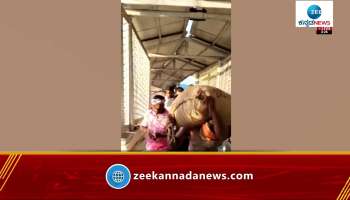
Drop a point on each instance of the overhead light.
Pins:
(189, 27)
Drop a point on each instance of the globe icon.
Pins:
(314, 11)
(118, 176)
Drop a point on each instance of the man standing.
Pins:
(169, 97)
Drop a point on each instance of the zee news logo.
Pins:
(314, 13)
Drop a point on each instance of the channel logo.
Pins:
(314, 14)
(118, 176)
(314, 11)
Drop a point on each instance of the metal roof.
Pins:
(161, 27)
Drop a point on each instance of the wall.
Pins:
(126, 72)
(141, 73)
(218, 75)
(136, 77)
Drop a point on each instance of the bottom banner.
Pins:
(175, 176)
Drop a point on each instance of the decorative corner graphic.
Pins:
(7, 169)
(345, 192)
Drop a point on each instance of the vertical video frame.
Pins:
(176, 71)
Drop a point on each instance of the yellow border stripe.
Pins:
(344, 190)
(347, 193)
(13, 157)
(9, 175)
(5, 164)
(10, 167)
